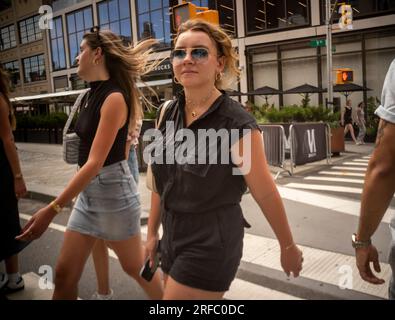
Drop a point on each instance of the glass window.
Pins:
(362, 8)
(154, 20)
(29, 29)
(78, 23)
(115, 15)
(13, 70)
(276, 14)
(34, 68)
(7, 37)
(57, 46)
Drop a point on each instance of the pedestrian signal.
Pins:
(344, 76)
(187, 11)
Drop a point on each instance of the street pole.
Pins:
(329, 53)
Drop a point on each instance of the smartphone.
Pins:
(146, 272)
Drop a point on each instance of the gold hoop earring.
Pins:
(176, 81)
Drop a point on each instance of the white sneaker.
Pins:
(14, 286)
(97, 296)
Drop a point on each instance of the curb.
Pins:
(300, 287)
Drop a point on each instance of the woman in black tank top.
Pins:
(12, 187)
(347, 120)
(108, 205)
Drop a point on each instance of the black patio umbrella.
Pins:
(264, 91)
(347, 88)
(305, 89)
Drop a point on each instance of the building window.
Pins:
(29, 29)
(267, 15)
(115, 15)
(78, 23)
(77, 83)
(60, 83)
(57, 45)
(12, 68)
(154, 20)
(362, 8)
(7, 37)
(34, 68)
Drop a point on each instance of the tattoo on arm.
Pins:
(380, 132)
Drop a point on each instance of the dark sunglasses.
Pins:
(197, 54)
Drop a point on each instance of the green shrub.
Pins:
(52, 120)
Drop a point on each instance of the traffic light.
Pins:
(188, 11)
(346, 18)
(344, 76)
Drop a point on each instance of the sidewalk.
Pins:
(46, 175)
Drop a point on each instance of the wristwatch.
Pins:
(358, 243)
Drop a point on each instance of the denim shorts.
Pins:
(109, 207)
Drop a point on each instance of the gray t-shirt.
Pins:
(386, 110)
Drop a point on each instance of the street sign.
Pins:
(317, 43)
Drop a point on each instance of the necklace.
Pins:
(90, 93)
(191, 106)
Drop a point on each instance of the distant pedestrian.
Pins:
(198, 203)
(108, 206)
(378, 190)
(347, 120)
(12, 187)
(361, 123)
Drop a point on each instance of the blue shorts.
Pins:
(109, 207)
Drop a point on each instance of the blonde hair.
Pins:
(125, 64)
(5, 91)
(224, 48)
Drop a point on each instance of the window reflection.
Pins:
(7, 37)
(276, 14)
(29, 29)
(78, 23)
(12, 68)
(34, 68)
(57, 46)
(115, 15)
(154, 20)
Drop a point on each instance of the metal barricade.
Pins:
(298, 132)
(274, 141)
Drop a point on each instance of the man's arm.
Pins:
(379, 184)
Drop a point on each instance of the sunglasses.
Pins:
(197, 54)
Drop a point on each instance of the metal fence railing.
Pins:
(274, 141)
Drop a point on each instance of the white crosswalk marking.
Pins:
(361, 160)
(355, 164)
(324, 187)
(342, 173)
(356, 181)
(348, 168)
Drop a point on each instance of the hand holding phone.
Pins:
(146, 272)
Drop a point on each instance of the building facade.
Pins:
(23, 47)
(273, 39)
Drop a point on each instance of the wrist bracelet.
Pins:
(290, 246)
(56, 207)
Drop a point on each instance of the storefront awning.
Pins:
(56, 96)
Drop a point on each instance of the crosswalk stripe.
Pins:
(357, 181)
(366, 157)
(348, 168)
(335, 204)
(244, 290)
(361, 160)
(342, 173)
(355, 164)
(324, 187)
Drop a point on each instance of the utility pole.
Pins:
(329, 53)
